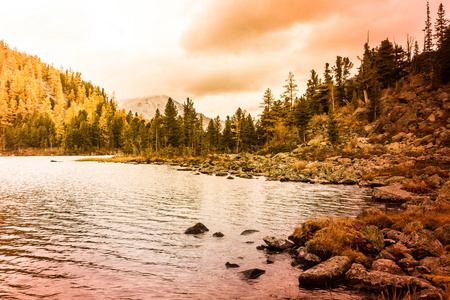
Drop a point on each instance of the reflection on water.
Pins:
(106, 231)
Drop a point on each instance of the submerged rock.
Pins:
(252, 273)
(325, 274)
(196, 229)
(249, 231)
(231, 265)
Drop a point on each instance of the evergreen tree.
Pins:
(428, 34)
(267, 99)
(332, 128)
(227, 136)
(302, 115)
(290, 90)
(443, 59)
(440, 25)
(171, 126)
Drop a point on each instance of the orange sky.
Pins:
(221, 53)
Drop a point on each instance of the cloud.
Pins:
(234, 26)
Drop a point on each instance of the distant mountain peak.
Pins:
(146, 106)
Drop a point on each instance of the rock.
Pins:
(372, 234)
(432, 118)
(435, 180)
(270, 260)
(387, 265)
(408, 263)
(252, 273)
(359, 277)
(221, 173)
(444, 192)
(385, 255)
(230, 177)
(326, 273)
(231, 265)
(393, 234)
(196, 229)
(307, 259)
(218, 234)
(443, 234)
(245, 176)
(394, 193)
(399, 137)
(423, 244)
(249, 231)
(438, 266)
(277, 244)
(406, 97)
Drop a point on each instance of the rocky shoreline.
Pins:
(403, 252)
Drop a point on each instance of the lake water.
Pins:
(87, 230)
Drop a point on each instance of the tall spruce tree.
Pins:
(428, 33)
(171, 125)
(440, 25)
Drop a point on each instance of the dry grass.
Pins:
(334, 240)
(418, 187)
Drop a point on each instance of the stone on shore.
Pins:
(277, 244)
(378, 281)
(395, 193)
(325, 274)
(196, 229)
(423, 244)
(443, 234)
(387, 265)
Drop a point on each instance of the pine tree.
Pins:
(290, 89)
(302, 115)
(267, 99)
(440, 25)
(428, 34)
(332, 128)
(171, 126)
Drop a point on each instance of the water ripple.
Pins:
(102, 231)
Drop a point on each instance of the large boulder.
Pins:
(423, 243)
(394, 193)
(325, 274)
(378, 281)
(196, 229)
(374, 238)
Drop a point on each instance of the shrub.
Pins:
(419, 187)
(358, 257)
(307, 230)
(334, 240)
